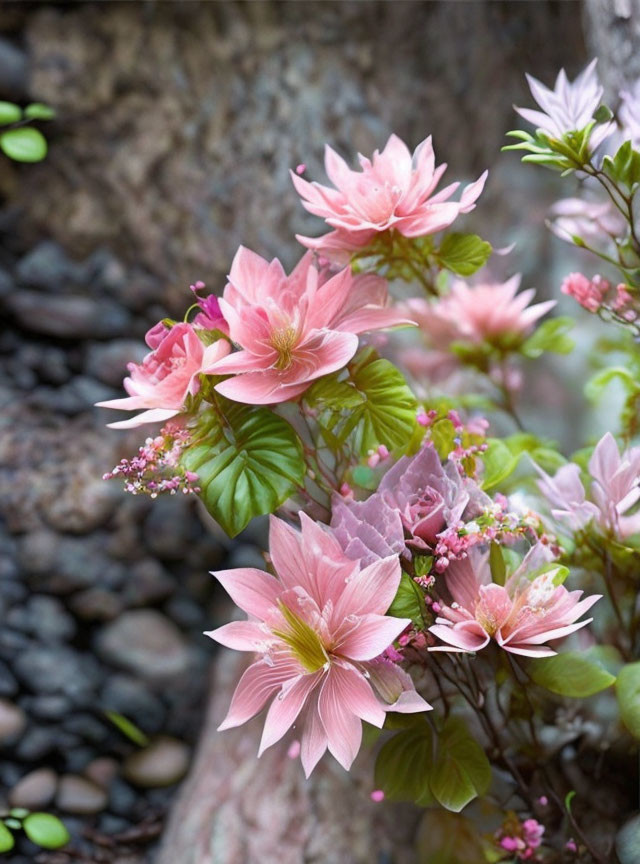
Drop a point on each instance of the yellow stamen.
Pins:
(303, 641)
(284, 341)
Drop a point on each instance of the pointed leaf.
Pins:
(628, 691)
(24, 144)
(461, 771)
(6, 839)
(9, 113)
(463, 253)
(46, 830)
(404, 763)
(570, 674)
(248, 461)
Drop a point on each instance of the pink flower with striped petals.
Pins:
(294, 329)
(160, 385)
(320, 630)
(520, 616)
(393, 191)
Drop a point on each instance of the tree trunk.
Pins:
(613, 36)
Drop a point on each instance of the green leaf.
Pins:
(403, 765)
(46, 830)
(461, 771)
(496, 564)
(24, 145)
(596, 385)
(463, 253)
(449, 838)
(409, 601)
(499, 463)
(624, 167)
(39, 111)
(570, 674)
(603, 114)
(387, 410)
(628, 692)
(248, 461)
(18, 812)
(128, 729)
(9, 113)
(551, 336)
(6, 839)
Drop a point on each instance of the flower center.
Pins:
(303, 641)
(284, 341)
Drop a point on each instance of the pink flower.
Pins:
(367, 530)
(320, 629)
(393, 191)
(594, 221)
(629, 113)
(167, 375)
(487, 312)
(589, 293)
(521, 615)
(615, 489)
(569, 106)
(294, 329)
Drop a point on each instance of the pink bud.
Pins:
(383, 452)
(543, 800)
(571, 845)
(301, 168)
(373, 460)
(294, 749)
(377, 795)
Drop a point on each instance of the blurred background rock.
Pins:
(176, 126)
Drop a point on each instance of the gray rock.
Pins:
(68, 317)
(45, 617)
(13, 70)
(46, 707)
(169, 528)
(146, 643)
(12, 722)
(108, 363)
(48, 268)
(6, 282)
(102, 771)
(37, 742)
(149, 583)
(8, 683)
(96, 604)
(77, 794)
(164, 762)
(35, 790)
(129, 696)
(87, 727)
(57, 669)
(122, 798)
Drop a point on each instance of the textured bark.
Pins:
(613, 36)
(235, 809)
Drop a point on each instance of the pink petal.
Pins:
(469, 635)
(253, 590)
(285, 708)
(240, 635)
(370, 590)
(285, 548)
(370, 636)
(259, 682)
(342, 727)
(314, 738)
(154, 415)
(260, 388)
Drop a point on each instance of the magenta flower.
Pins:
(167, 375)
(589, 293)
(294, 329)
(615, 489)
(569, 107)
(392, 191)
(320, 629)
(520, 616)
(488, 312)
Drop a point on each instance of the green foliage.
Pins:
(45, 830)
(463, 253)
(408, 602)
(248, 461)
(550, 336)
(451, 768)
(24, 144)
(449, 838)
(499, 463)
(599, 382)
(628, 692)
(573, 674)
(6, 839)
(624, 167)
(128, 729)
(373, 406)
(9, 113)
(564, 154)
(39, 111)
(404, 764)
(497, 564)
(461, 770)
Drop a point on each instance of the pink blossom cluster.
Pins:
(521, 838)
(598, 294)
(156, 468)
